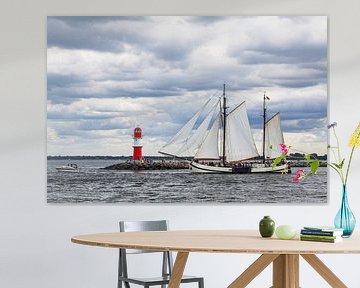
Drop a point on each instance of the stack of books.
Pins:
(321, 234)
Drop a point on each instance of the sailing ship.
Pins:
(223, 141)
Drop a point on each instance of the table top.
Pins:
(216, 241)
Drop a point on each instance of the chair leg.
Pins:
(120, 270)
(201, 283)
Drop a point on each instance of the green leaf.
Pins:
(314, 166)
(277, 161)
(341, 164)
(307, 157)
(334, 167)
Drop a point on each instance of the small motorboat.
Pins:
(68, 168)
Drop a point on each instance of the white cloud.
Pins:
(107, 77)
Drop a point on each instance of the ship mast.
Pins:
(264, 122)
(224, 126)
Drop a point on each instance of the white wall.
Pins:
(35, 248)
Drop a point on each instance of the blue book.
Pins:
(322, 231)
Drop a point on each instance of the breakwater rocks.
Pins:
(301, 163)
(175, 165)
(161, 165)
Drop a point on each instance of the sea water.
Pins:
(94, 185)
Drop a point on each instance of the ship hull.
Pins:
(257, 168)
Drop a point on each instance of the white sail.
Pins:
(273, 137)
(239, 142)
(210, 147)
(192, 144)
(177, 142)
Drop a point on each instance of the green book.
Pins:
(325, 240)
(319, 236)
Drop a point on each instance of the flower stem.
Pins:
(348, 167)
(333, 152)
(337, 142)
(339, 162)
(351, 155)
(336, 169)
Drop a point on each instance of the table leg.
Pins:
(178, 269)
(324, 271)
(253, 270)
(286, 271)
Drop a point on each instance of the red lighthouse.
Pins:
(137, 154)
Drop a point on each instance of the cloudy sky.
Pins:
(108, 74)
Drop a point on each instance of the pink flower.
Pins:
(284, 149)
(300, 174)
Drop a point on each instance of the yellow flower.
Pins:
(355, 138)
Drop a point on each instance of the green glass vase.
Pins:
(267, 227)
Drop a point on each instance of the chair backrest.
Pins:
(134, 226)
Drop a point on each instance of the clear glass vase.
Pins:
(345, 219)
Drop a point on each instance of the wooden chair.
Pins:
(167, 262)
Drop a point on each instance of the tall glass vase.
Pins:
(345, 219)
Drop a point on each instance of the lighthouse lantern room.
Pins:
(137, 153)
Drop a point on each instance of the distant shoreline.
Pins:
(295, 156)
(105, 157)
